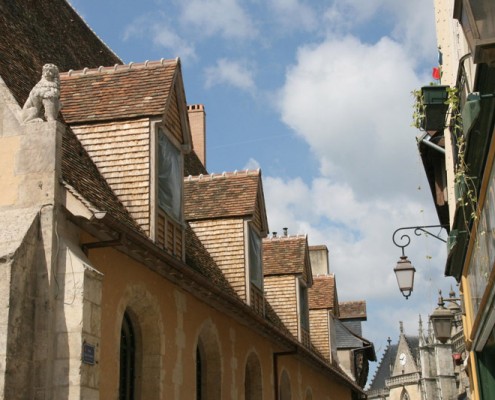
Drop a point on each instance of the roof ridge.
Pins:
(285, 237)
(119, 68)
(236, 173)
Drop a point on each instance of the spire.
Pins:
(401, 327)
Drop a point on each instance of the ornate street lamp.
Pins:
(442, 319)
(404, 270)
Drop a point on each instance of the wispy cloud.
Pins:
(231, 73)
(226, 18)
(162, 34)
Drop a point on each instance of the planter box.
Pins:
(435, 109)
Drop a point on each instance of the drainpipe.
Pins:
(275, 369)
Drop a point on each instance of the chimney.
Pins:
(319, 260)
(286, 231)
(197, 122)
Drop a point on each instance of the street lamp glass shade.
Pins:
(404, 271)
(441, 320)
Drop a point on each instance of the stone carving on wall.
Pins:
(45, 95)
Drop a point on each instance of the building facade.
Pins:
(460, 171)
(128, 271)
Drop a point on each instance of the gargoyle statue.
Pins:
(45, 94)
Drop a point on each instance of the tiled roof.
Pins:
(193, 165)
(382, 372)
(353, 309)
(322, 293)
(284, 255)
(221, 196)
(79, 171)
(111, 93)
(31, 36)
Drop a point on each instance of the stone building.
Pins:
(127, 270)
(420, 368)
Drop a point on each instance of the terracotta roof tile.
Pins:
(284, 255)
(193, 165)
(36, 32)
(352, 309)
(221, 196)
(322, 295)
(111, 93)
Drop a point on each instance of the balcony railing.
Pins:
(404, 379)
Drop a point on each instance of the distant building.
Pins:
(421, 368)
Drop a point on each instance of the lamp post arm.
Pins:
(418, 230)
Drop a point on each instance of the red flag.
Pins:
(436, 73)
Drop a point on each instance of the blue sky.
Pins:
(317, 95)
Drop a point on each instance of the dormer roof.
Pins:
(117, 92)
(323, 293)
(227, 195)
(287, 255)
(353, 310)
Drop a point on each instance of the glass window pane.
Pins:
(255, 268)
(169, 177)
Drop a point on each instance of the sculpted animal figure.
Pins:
(45, 94)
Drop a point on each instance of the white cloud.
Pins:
(223, 17)
(162, 35)
(294, 14)
(232, 73)
(410, 22)
(357, 232)
(351, 102)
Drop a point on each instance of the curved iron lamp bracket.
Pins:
(418, 231)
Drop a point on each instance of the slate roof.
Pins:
(382, 372)
(346, 339)
(117, 92)
(31, 32)
(322, 294)
(353, 309)
(221, 196)
(285, 255)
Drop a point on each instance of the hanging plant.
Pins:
(464, 185)
(430, 108)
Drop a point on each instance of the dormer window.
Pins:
(255, 269)
(168, 210)
(303, 312)
(169, 176)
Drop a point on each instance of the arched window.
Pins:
(252, 380)
(404, 395)
(127, 360)
(208, 365)
(285, 392)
